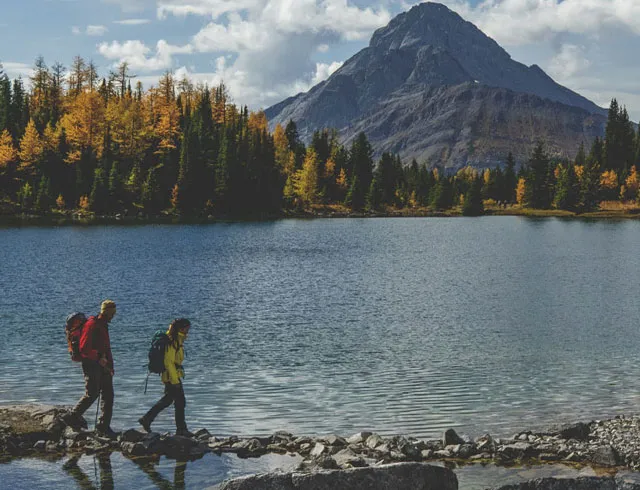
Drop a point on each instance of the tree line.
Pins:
(75, 140)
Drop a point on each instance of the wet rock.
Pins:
(450, 437)
(605, 456)
(318, 450)
(578, 431)
(133, 449)
(333, 440)
(40, 445)
(202, 434)
(346, 457)
(426, 454)
(416, 476)
(359, 438)
(132, 435)
(584, 483)
(373, 441)
(519, 450)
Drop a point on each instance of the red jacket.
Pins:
(94, 341)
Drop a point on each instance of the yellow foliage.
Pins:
(306, 182)
(486, 176)
(84, 124)
(633, 181)
(258, 121)
(341, 181)
(556, 171)
(609, 179)
(60, 202)
(329, 168)
(436, 174)
(282, 153)
(129, 126)
(7, 150)
(413, 200)
(31, 148)
(84, 203)
(520, 190)
(579, 169)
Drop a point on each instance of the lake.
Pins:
(400, 326)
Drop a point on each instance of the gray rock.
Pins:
(40, 445)
(578, 431)
(414, 476)
(132, 435)
(518, 450)
(358, 438)
(346, 457)
(584, 483)
(373, 441)
(318, 449)
(450, 437)
(333, 440)
(605, 456)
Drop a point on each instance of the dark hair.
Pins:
(176, 325)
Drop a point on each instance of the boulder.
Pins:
(450, 437)
(132, 435)
(605, 456)
(359, 438)
(414, 476)
(578, 431)
(584, 483)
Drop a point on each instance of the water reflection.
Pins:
(105, 472)
(148, 466)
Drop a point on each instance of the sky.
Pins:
(267, 50)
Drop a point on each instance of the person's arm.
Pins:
(170, 364)
(86, 343)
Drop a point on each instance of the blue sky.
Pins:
(266, 50)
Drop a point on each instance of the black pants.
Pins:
(97, 381)
(172, 394)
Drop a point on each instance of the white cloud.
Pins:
(519, 22)
(129, 5)
(568, 62)
(324, 71)
(96, 30)
(15, 70)
(132, 22)
(91, 30)
(139, 56)
(274, 42)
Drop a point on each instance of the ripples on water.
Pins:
(398, 325)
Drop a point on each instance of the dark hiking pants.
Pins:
(97, 381)
(172, 394)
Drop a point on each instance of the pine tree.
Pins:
(473, 205)
(152, 200)
(361, 163)
(99, 198)
(567, 188)
(442, 194)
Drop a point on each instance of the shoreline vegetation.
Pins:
(75, 144)
(607, 211)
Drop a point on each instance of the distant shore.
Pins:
(317, 212)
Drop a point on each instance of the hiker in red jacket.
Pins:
(97, 366)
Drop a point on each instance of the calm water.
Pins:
(402, 326)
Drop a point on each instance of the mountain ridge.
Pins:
(431, 47)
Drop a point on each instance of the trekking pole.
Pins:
(146, 382)
(95, 424)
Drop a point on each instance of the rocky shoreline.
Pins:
(32, 430)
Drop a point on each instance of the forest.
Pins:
(74, 142)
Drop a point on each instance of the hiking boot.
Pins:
(184, 433)
(145, 423)
(107, 432)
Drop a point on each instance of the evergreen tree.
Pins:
(99, 198)
(442, 194)
(510, 180)
(5, 101)
(151, 199)
(567, 188)
(538, 179)
(590, 179)
(361, 163)
(473, 205)
(44, 199)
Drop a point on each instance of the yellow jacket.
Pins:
(173, 359)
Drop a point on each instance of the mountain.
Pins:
(433, 86)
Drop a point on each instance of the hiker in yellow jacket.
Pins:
(171, 377)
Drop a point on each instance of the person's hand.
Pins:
(103, 361)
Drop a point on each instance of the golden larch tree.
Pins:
(7, 150)
(31, 149)
(84, 124)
